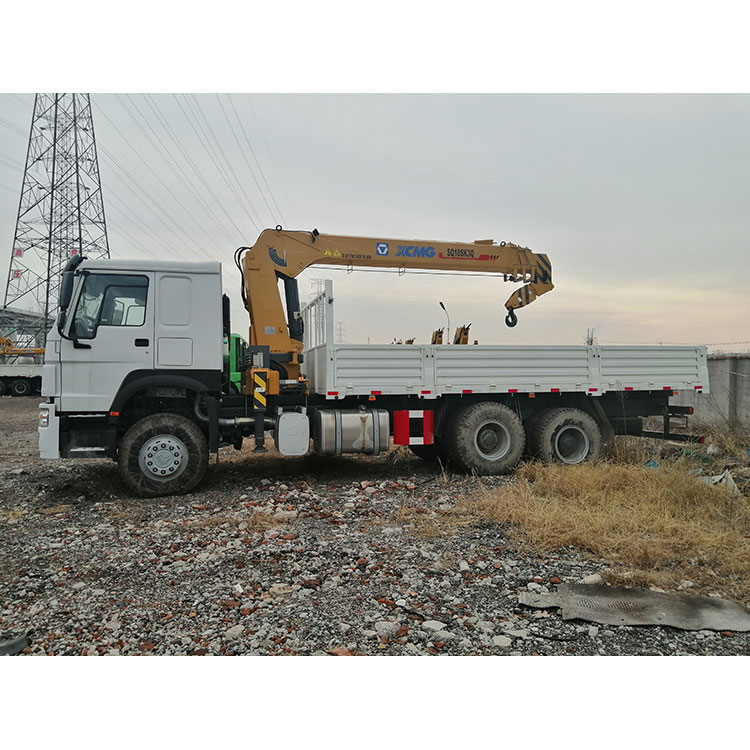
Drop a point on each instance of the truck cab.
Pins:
(127, 333)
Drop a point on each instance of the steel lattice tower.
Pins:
(61, 214)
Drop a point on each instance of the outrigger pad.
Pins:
(611, 605)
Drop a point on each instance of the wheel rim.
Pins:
(572, 444)
(163, 457)
(492, 440)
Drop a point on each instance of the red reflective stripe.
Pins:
(466, 390)
(428, 434)
(512, 390)
(375, 393)
(698, 387)
(667, 388)
(555, 390)
(425, 392)
(333, 393)
(628, 387)
(401, 427)
(593, 390)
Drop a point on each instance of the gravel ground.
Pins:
(278, 556)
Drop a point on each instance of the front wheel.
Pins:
(486, 438)
(164, 454)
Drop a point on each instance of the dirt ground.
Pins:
(279, 556)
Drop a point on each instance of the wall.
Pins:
(728, 403)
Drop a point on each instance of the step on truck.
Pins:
(142, 368)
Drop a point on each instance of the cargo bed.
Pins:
(429, 371)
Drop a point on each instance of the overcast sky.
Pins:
(640, 201)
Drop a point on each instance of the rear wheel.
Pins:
(20, 387)
(568, 436)
(164, 454)
(486, 438)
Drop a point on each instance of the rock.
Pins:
(234, 632)
(344, 627)
(464, 566)
(444, 636)
(534, 586)
(280, 590)
(518, 633)
(433, 625)
(386, 628)
(501, 641)
(593, 631)
(341, 651)
(595, 578)
(485, 626)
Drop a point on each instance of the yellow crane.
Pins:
(283, 254)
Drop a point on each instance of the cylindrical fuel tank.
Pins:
(337, 431)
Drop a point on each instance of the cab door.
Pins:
(110, 334)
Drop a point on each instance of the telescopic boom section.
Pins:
(280, 254)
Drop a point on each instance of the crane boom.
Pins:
(282, 254)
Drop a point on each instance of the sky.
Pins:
(640, 200)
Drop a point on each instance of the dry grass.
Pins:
(254, 522)
(655, 527)
(54, 510)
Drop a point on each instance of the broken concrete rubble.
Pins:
(610, 605)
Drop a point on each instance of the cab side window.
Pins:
(110, 300)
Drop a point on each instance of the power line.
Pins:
(170, 132)
(242, 151)
(207, 136)
(164, 184)
(260, 169)
(183, 178)
(270, 156)
(202, 139)
(224, 156)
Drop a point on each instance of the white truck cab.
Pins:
(123, 326)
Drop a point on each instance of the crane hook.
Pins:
(510, 318)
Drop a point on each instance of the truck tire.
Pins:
(568, 436)
(486, 438)
(164, 454)
(529, 428)
(20, 387)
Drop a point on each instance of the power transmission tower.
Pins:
(60, 214)
(318, 287)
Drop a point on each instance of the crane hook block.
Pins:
(510, 318)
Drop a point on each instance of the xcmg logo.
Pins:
(415, 251)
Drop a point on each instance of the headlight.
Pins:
(44, 419)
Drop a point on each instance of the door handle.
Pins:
(141, 342)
